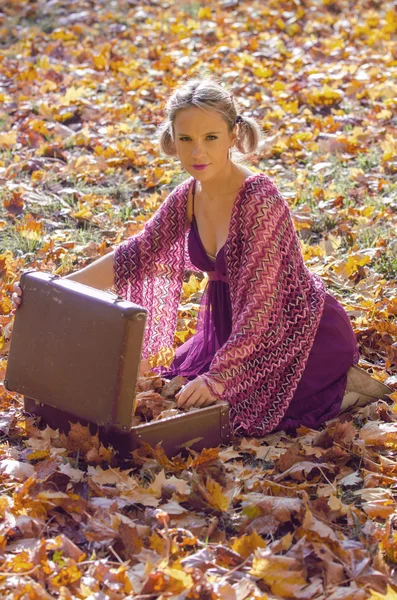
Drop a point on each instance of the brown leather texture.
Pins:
(203, 428)
(75, 354)
(76, 348)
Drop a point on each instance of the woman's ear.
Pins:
(234, 136)
(172, 147)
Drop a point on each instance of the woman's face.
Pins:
(202, 138)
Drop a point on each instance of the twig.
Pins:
(156, 595)
(287, 487)
(359, 456)
(236, 568)
(116, 555)
(95, 560)
(324, 475)
(8, 574)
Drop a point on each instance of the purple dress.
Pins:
(320, 391)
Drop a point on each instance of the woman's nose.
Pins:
(197, 151)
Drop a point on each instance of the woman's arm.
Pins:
(99, 274)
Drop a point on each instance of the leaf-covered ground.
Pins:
(82, 87)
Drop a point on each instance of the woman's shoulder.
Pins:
(260, 183)
(259, 178)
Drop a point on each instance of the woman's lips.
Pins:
(200, 167)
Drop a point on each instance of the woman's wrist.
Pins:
(214, 384)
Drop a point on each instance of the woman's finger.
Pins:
(17, 289)
(201, 402)
(183, 396)
(194, 398)
(16, 299)
(208, 402)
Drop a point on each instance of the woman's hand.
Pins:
(16, 297)
(195, 393)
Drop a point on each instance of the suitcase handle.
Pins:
(50, 275)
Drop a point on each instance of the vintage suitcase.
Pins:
(75, 354)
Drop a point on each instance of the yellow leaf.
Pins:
(247, 544)
(367, 211)
(263, 72)
(204, 12)
(38, 455)
(311, 251)
(390, 595)
(83, 213)
(375, 433)
(9, 139)
(281, 573)
(391, 20)
(66, 576)
(181, 576)
(20, 563)
(72, 94)
(354, 261)
(290, 107)
(335, 503)
(218, 499)
(326, 96)
(389, 146)
(252, 511)
(156, 543)
(280, 24)
(182, 335)
(384, 114)
(191, 287)
(285, 542)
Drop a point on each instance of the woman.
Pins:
(270, 340)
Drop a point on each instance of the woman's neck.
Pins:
(222, 184)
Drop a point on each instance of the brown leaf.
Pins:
(79, 438)
(286, 460)
(146, 384)
(172, 387)
(62, 542)
(150, 404)
(131, 539)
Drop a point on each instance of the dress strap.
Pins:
(193, 192)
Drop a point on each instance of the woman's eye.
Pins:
(214, 137)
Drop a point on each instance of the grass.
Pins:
(387, 265)
(191, 8)
(343, 185)
(18, 244)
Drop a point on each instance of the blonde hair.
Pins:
(208, 93)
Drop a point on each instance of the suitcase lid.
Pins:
(76, 348)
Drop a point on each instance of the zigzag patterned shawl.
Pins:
(276, 301)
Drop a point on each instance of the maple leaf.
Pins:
(247, 544)
(217, 497)
(193, 525)
(284, 575)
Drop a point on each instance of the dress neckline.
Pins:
(242, 188)
(212, 258)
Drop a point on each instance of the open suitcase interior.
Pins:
(75, 355)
